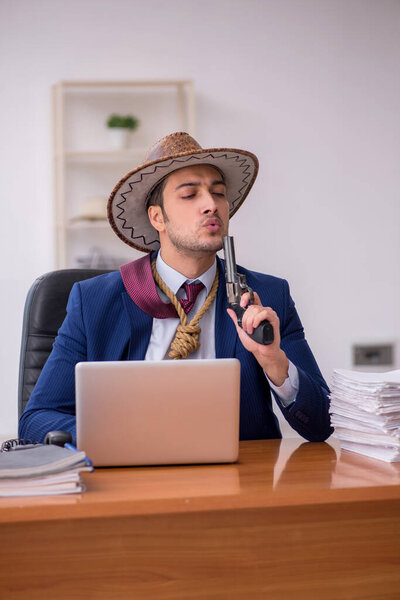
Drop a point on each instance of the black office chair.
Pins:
(45, 310)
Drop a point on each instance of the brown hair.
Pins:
(155, 197)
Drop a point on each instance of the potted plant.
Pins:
(120, 127)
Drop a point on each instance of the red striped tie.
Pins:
(192, 291)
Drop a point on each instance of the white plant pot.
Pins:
(119, 137)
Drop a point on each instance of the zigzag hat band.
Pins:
(127, 211)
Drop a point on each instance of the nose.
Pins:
(209, 203)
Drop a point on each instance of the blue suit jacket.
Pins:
(104, 324)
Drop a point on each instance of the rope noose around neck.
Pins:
(186, 338)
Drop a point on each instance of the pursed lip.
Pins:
(213, 223)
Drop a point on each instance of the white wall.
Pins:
(311, 86)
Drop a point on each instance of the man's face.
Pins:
(196, 210)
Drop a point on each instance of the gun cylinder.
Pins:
(233, 292)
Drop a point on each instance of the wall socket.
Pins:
(374, 354)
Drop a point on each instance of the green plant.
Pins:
(128, 122)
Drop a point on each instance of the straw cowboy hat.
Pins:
(127, 211)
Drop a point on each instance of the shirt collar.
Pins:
(174, 280)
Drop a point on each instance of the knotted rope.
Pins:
(186, 338)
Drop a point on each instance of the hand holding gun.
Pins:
(235, 286)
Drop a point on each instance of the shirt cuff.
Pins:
(287, 392)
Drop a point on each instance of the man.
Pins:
(180, 201)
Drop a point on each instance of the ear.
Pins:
(156, 217)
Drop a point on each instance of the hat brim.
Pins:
(126, 208)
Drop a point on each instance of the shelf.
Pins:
(87, 163)
(106, 156)
(89, 224)
(101, 85)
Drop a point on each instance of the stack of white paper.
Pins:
(42, 470)
(365, 412)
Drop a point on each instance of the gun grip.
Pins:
(263, 334)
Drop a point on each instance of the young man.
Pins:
(172, 303)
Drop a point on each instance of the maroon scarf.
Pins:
(140, 285)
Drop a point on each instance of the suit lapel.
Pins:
(225, 332)
(141, 325)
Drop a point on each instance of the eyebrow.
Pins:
(197, 183)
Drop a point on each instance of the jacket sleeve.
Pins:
(52, 402)
(309, 413)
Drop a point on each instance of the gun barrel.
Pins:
(230, 260)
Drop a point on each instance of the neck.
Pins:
(190, 266)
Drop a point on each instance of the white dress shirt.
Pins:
(163, 330)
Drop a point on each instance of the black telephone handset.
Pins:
(58, 438)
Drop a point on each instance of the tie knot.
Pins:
(192, 291)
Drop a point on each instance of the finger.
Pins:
(252, 311)
(248, 318)
(269, 315)
(246, 341)
(266, 315)
(257, 299)
(254, 315)
(245, 299)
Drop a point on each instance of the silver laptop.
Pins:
(158, 413)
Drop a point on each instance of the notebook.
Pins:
(37, 469)
(158, 413)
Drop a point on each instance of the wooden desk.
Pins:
(287, 521)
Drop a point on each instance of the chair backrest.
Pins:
(45, 310)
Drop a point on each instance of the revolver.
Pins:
(235, 286)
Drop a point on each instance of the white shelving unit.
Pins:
(86, 166)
